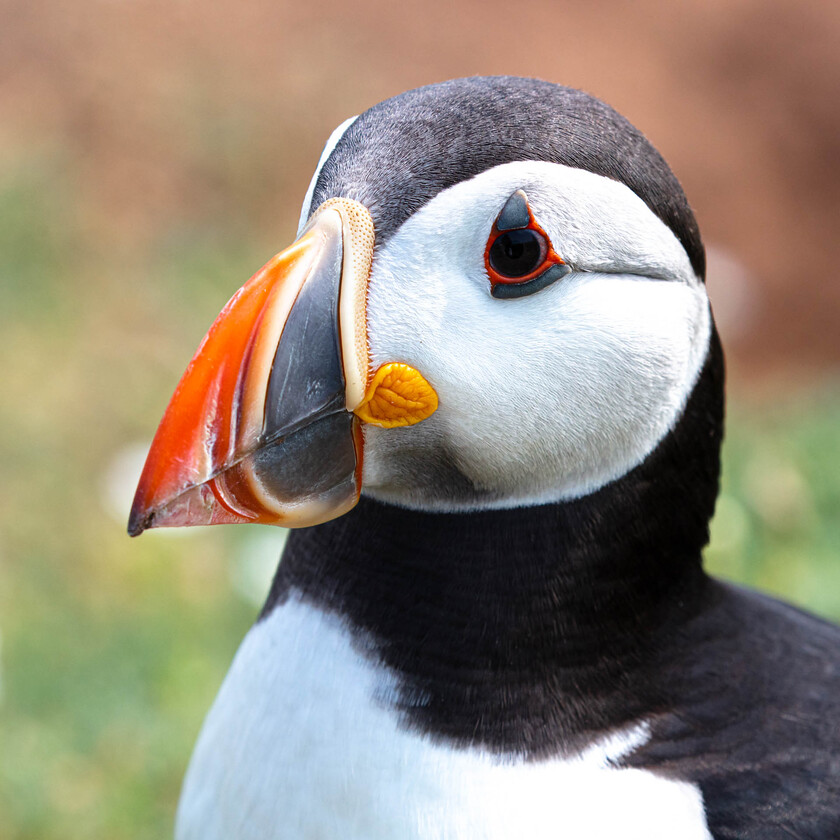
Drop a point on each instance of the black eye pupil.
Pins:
(517, 252)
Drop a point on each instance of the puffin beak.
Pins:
(261, 427)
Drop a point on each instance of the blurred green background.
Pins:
(153, 155)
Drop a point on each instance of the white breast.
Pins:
(301, 745)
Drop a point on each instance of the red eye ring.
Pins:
(519, 251)
(514, 256)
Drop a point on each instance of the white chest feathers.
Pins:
(301, 745)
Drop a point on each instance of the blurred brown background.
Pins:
(174, 114)
(153, 155)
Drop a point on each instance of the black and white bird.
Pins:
(493, 326)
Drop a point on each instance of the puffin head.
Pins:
(495, 300)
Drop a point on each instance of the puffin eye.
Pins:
(519, 257)
(516, 253)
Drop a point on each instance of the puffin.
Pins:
(485, 388)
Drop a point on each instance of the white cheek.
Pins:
(578, 394)
(545, 397)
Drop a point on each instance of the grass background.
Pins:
(153, 155)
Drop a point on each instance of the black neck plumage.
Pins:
(533, 629)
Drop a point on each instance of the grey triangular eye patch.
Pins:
(515, 214)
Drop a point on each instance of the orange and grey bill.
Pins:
(261, 426)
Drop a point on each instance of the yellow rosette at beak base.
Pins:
(398, 395)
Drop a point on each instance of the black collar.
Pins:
(528, 630)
